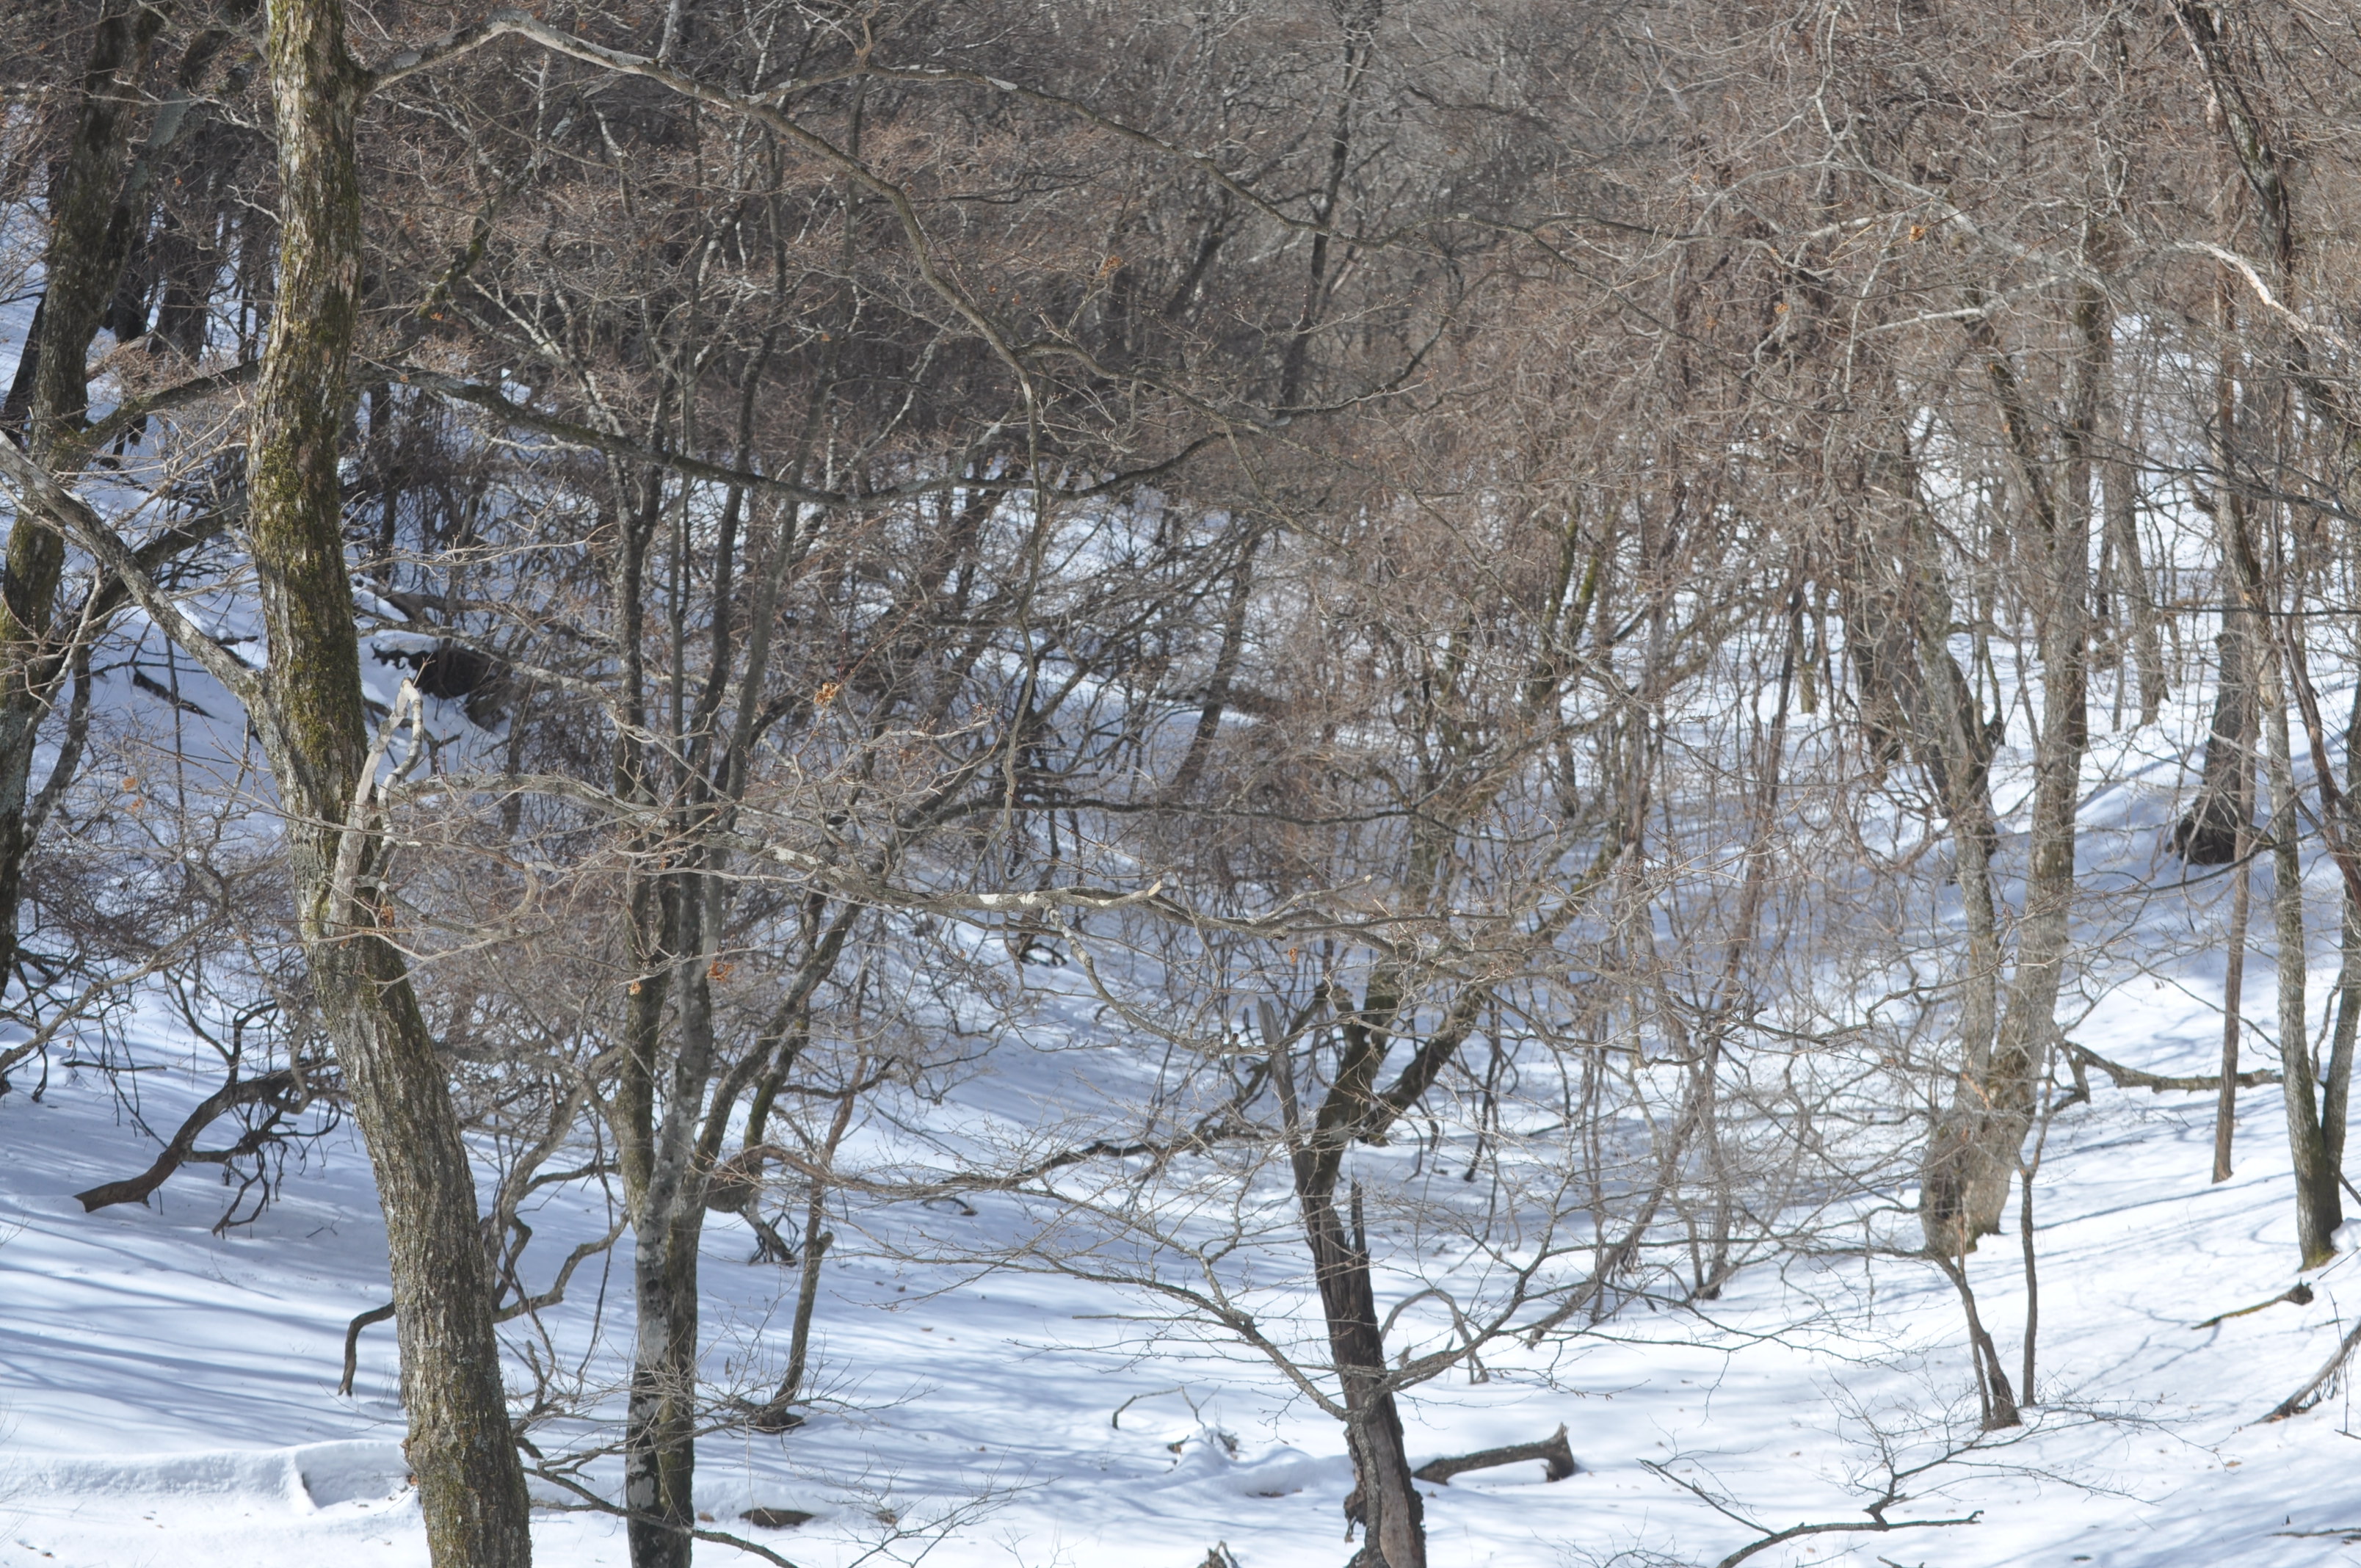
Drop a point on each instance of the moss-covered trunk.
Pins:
(471, 1485)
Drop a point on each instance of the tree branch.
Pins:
(271, 1086)
(1552, 1452)
(46, 499)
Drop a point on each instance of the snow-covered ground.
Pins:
(167, 1397)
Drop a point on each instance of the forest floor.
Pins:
(167, 1396)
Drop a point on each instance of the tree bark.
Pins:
(51, 394)
(668, 1214)
(1385, 1499)
(314, 728)
(2319, 1207)
(1973, 1155)
(2234, 988)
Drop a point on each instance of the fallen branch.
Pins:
(1552, 1452)
(1115, 1421)
(2303, 1398)
(1876, 1524)
(285, 1088)
(2299, 1294)
(2157, 1083)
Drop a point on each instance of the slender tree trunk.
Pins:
(2119, 484)
(2233, 987)
(49, 396)
(1996, 1399)
(2338, 1089)
(1225, 670)
(471, 1485)
(1973, 1158)
(2319, 1204)
(780, 1415)
(668, 1222)
(1388, 1507)
(2032, 1275)
(2319, 1207)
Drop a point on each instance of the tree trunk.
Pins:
(2338, 1089)
(1974, 1156)
(470, 1482)
(2119, 486)
(51, 394)
(2234, 996)
(1385, 1499)
(2208, 834)
(2319, 1209)
(1948, 733)
(668, 1222)
(660, 1423)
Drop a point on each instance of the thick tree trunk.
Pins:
(470, 1482)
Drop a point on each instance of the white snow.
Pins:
(168, 1396)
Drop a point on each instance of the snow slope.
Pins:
(168, 1395)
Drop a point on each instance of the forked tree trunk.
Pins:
(1974, 1152)
(2319, 1206)
(314, 732)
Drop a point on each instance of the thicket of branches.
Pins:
(1557, 641)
